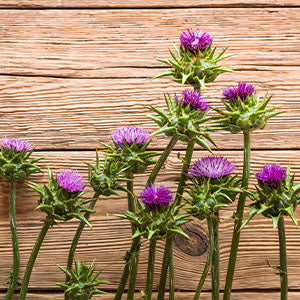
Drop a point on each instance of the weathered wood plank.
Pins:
(110, 237)
(32, 44)
(78, 113)
(181, 296)
(143, 4)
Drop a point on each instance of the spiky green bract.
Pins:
(17, 165)
(82, 283)
(105, 179)
(247, 115)
(58, 203)
(156, 223)
(195, 68)
(133, 155)
(183, 122)
(208, 195)
(275, 201)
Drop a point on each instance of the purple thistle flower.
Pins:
(130, 134)
(16, 144)
(156, 197)
(243, 90)
(70, 180)
(194, 41)
(271, 174)
(194, 100)
(211, 167)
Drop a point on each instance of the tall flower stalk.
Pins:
(213, 188)
(245, 112)
(60, 201)
(15, 166)
(276, 196)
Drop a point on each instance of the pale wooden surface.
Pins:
(71, 74)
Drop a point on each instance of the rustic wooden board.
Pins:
(57, 113)
(31, 44)
(181, 296)
(138, 4)
(110, 237)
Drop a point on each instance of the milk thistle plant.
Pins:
(15, 166)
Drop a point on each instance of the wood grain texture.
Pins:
(138, 4)
(110, 237)
(57, 113)
(88, 43)
(263, 295)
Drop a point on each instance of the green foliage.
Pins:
(82, 282)
(105, 180)
(208, 195)
(157, 223)
(60, 204)
(183, 122)
(17, 165)
(195, 69)
(275, 201)
(250, 114)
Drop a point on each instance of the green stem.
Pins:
(32, 259)
(130, 197)
(208, 259)
(77, 237)
(164, 268)
(238, 218)
(134, 248)
(150, 271)
(283, 264)
(161, 160)
(14, 238)
(215, 274)
(133, 274)
(171, 277)
(186, 164)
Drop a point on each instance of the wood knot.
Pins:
(198, 242)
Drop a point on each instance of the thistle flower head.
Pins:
(130, 135)
(194, 41)
(16, 145)
(271, 174)
(211, 167)
(153, 196)
(70, 180)
(194, 100)
(243, 90)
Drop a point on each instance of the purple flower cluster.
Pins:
(16, 144)
(194, 100)
(156, 197)
(70, 180)
(271, 174)
(130, 134)
(194, 41)
(211, 167)
(243, 90)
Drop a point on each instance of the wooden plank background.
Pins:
(71, 71)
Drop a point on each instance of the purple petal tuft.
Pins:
(194, 41)
(156, 197)
(211, 167)
(70, 180)
(16, 144)
(243, 90)
(194, 100)
(271, 174)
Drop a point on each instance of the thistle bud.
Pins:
(195, 62)
(15, 162)
(60, 199)
(82, 282)
(245, 110)
(276, 194)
